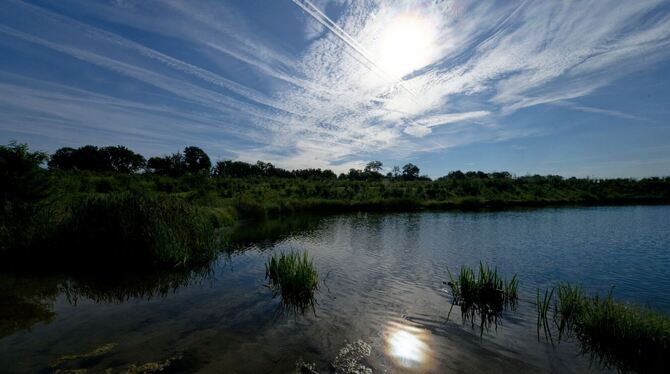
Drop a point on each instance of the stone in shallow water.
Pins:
(349, 359)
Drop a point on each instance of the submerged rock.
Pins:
(350, 358)
(302, 367)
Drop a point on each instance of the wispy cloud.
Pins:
(338, 93)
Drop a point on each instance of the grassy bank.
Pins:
(616, 335)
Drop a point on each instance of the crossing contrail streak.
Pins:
(323, 19)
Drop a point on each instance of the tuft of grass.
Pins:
(294, 277)
(484, 293)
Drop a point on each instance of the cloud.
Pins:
(331, 96)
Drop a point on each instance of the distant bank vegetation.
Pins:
(170, 206)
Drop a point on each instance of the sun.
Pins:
(406, 43)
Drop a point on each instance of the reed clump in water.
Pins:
(615, 334)
(485, 293)
(293, 276)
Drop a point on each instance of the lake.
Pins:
(382, 302)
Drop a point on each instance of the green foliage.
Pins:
(21, 178)
(123, 227)
(294, 277)
(22, 188)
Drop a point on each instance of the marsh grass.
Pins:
(485, 294)
(616, 335)
(139, 229)
(569, 306)
(543, 304)
(293, 276)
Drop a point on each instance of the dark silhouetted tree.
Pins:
(107, 159)
(374, 167)
(62, 159)
(410, 172)
(89, 157)
(20, 173)
(396, 172)
(196, 160)
(122, 160)
(170, 165)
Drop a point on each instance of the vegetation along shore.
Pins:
(111, 204)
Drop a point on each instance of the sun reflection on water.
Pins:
(408, 345)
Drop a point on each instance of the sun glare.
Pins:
(408, 346)
(406, 44)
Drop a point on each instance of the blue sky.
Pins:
(577, 88)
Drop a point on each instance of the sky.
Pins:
(575, 88)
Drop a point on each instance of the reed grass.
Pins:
(486, 287)
(617, 335)
(138, 229)
(543, 304)
(484, 293)
(569, 306)
(293, 276)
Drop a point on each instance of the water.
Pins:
(382, 300)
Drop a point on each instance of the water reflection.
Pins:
(409, 346)
(27, 299)
(263, 235)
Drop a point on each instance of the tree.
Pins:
(171, 165)
(265, 169)
(62, 159)
(356, 174)
(113, 158)
(233, 169)
(89, 157)
(22, 186)
(456, 175)
(196, 160)
(122, 160)
(374, 167)
(20, 173)
(396, 172)
(410, 171)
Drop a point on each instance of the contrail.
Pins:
(320, 17)
(323, 19)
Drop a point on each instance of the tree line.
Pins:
(193, 160)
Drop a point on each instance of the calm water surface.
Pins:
(381, 286)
